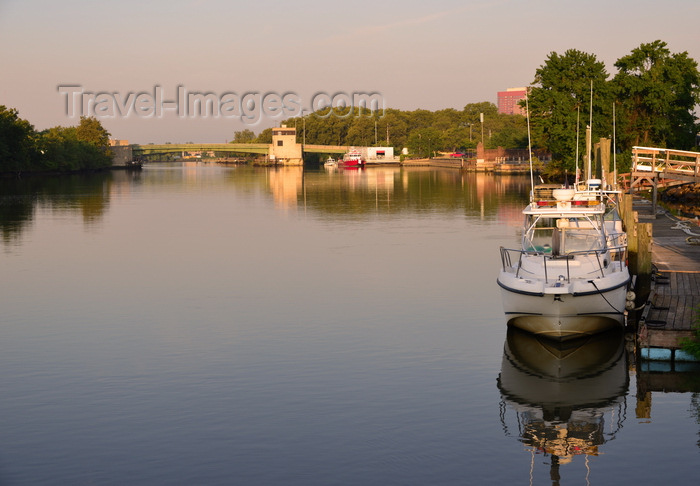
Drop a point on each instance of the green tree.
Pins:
(424, 142)
(90, 130)
(394, 127)
(471, 118)
(17, 141)
(362, 132)
(658, 93)
(243, 136)
(560, 104)
(62, 150)
(510, 131)
(264, 137)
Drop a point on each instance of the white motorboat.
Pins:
(570, 277)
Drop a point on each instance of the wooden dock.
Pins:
(470, 165)
(672, 306)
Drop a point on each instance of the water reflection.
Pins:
(87, 195)
(563, 399)
(392, 190)
(376, 190)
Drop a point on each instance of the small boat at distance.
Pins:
(569, 278)
(352, 159)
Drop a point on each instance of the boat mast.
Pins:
(529, 146)
(578, 127)
(590, 130)
(614, 153)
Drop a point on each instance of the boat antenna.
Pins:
(578, 129)
(590, 135)
(614, 152)
(529, 146)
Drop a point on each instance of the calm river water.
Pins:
(198, 324)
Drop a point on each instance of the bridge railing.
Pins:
(666, 161)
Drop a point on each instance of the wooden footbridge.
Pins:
(660, 166)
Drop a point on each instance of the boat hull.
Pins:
(564, 316)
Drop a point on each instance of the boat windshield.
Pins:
(561, 236)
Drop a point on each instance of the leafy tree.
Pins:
(244, 136)
(472, 112)
(510, 131)
(658, 93)
(264, 137)
(17, 144)
(394, 126)
(362, 132)
(90, 130)
(425, 142)
(560, 102)
(471, 119)
(62, 149)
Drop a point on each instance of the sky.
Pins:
(134, 63)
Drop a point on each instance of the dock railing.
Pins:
(679, 165)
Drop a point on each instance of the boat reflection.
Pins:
(562, 393)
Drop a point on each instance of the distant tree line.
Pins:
(655, 94)
(423, 132)
(23, 149)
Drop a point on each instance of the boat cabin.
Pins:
(561, 234)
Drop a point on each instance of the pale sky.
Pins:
(415, 54)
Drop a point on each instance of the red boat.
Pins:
(352, 159)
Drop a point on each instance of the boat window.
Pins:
(561, 236)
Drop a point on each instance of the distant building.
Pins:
(284, 149)
(508, 101)
(378, 154)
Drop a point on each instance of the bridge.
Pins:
(657, 166)
(247, 148)
(284, 149)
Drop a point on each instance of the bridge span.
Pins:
(284, 149)
(659, 166)
(248, 148)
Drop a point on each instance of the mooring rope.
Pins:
(693, 238)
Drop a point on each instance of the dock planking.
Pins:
(675, 296)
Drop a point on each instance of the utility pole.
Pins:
(482, 128)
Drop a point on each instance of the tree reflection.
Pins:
(84, 194)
